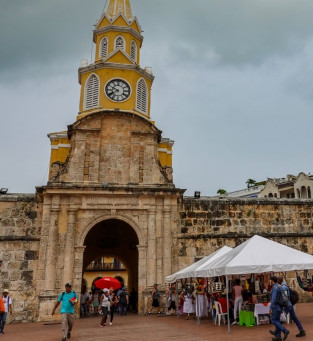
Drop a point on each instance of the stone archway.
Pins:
(113, 238)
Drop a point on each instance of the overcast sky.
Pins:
(233, 85)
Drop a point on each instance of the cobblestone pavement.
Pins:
(141, 328)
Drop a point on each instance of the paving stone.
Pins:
(142, 328)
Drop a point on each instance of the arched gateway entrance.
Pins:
(117, 239)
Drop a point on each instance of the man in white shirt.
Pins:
(8, 308)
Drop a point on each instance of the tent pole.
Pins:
(227, 289)
(177, 299)
(197, 309)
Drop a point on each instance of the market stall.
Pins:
(257, 255)
(189, 271)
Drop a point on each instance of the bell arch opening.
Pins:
(115, 242)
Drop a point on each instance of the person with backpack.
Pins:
(293, 299)
(123, 302)
(279, 300)
(68, 300)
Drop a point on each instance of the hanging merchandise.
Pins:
(306, 281)
(216, 286)
(246, 285)
(199, 286)
(257, 286)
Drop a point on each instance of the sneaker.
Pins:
(272, 332)
(110, 323)
(68, 335)
(301, 334)
(159, 313)
(286, 334)
(149, 312)
(235, 322)
(100, 325)
(168, 313)
(63, 338)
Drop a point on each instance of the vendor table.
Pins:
(247, 318)
(261, 309)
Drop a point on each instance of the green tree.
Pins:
(250, 183)
(221, 191)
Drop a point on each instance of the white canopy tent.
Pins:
(190, 271)
(257, 255)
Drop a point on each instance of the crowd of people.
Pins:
(193, 300)
(121, 302)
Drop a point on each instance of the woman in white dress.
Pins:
(189, 307)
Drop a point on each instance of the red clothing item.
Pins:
(223, 302)
(2, 308)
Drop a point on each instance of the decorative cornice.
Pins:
(114, 28)
(103, 65)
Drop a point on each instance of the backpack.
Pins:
(282, 299)
(123, 298)
(294, 296)
(63, 293)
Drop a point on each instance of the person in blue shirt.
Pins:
(68, 300)
(275, 311)
(290, 310)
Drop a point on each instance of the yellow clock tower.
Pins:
(114, 82)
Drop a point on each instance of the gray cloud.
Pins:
(233, 85)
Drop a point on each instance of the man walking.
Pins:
(155, 295)
(68, 299)
(290, 308)
(7, 301)
(275, 311)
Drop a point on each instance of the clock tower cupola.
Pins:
(115, 80)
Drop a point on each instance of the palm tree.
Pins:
(221, 191)
(250, 183)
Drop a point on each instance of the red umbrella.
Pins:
(108, 283)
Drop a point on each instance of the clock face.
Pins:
(117, 90)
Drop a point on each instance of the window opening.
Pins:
(142, 96)
(92, 92)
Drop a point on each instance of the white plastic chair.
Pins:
(219, 313)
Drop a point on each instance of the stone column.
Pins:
(78, 272)
(167, 244)
(69, 251)
(142, 278)
(151, 251)
(47, 297)
(52, 252)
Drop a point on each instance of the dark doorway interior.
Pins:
(114, 238)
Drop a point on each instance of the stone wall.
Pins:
(19, 242)
(206, 225)
(198, 228)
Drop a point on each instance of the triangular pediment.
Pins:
(136, 26)
(118, 57)
(120, 20)
(104, 21)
